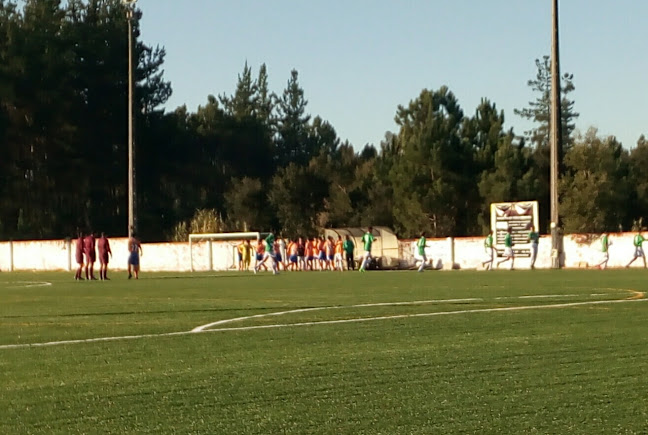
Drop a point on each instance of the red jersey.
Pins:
(79, 245)
(103, 246)
(89, 244)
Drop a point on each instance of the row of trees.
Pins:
(258, 160)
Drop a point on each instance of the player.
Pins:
(293, 257)
(422, 257)
(349, 247)
(488, 248)
(339, 249)
(78, 246)
(329, 247)
(135, 251)
(269, 254)
(321, 246)
(605, 245)
(301, 254)
(367, 240)
(89, 249)
(103, 245)
(637, 242)
(534, 238)
(508, 249)
(246, 255)
(239, 253)
(260, 252)
(308, 253)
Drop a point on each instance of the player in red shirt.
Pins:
(78, 254)
(90, 254)
(103, 246)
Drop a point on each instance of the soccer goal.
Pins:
(217, 251)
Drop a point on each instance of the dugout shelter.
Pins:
(385, 247)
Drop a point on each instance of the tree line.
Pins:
(256, 159)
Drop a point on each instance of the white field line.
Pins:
(337, 307)
(322, 322)
(27, 284)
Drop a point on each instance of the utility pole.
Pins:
(132, 212)
(556, 139)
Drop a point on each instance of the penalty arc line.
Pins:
(336, 307)
(323, 322)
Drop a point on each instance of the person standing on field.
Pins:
(534, 238)
(338, 257)
(103, 245)
(349, 247)
(367, 240)
(246, 254)
(488, 248)
(89, 249)
(269, 254)
(639, 252)
(78, 251)
(508, 249)
(239, 253)
(135, 251)
(605, 245)
(421, 245)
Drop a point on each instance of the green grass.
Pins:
(576, 369)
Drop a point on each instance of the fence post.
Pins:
(68, 243)
(451, 250)
(11, 257)
(211, 258)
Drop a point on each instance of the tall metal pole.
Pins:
(132, 220)
(556, 139)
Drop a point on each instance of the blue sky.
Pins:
(359, 59)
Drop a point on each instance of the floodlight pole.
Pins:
(132, 219)
(556, 139)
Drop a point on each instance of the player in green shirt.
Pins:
(637, 241)
(534, 238)
(508, 249)
(605, 245)
(488, 248)
(349, 247)
(269, 253)
(367, 241)
(420, 248)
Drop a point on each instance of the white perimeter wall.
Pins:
(462, 253)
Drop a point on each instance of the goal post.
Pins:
(221, 237)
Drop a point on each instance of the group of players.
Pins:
(303, 254)
(86, 256)
(533, 238)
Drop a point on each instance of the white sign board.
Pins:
(519, 216)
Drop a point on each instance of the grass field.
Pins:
(555, 352)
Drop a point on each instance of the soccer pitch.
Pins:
(323, 352)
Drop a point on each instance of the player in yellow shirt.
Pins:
(246, 255)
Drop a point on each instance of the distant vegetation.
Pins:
(257, 158)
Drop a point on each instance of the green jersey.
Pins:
(534, 237)
(367, 239)
(488, 242)
(421, 246)
(508, 241)
(638, 240)
(348, 247)
(604, 243)
(269, 241)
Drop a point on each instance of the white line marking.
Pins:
(547, 296)
(323, 322)
(337, 307)
(27, 284)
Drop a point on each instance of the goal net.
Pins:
(217, 251)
